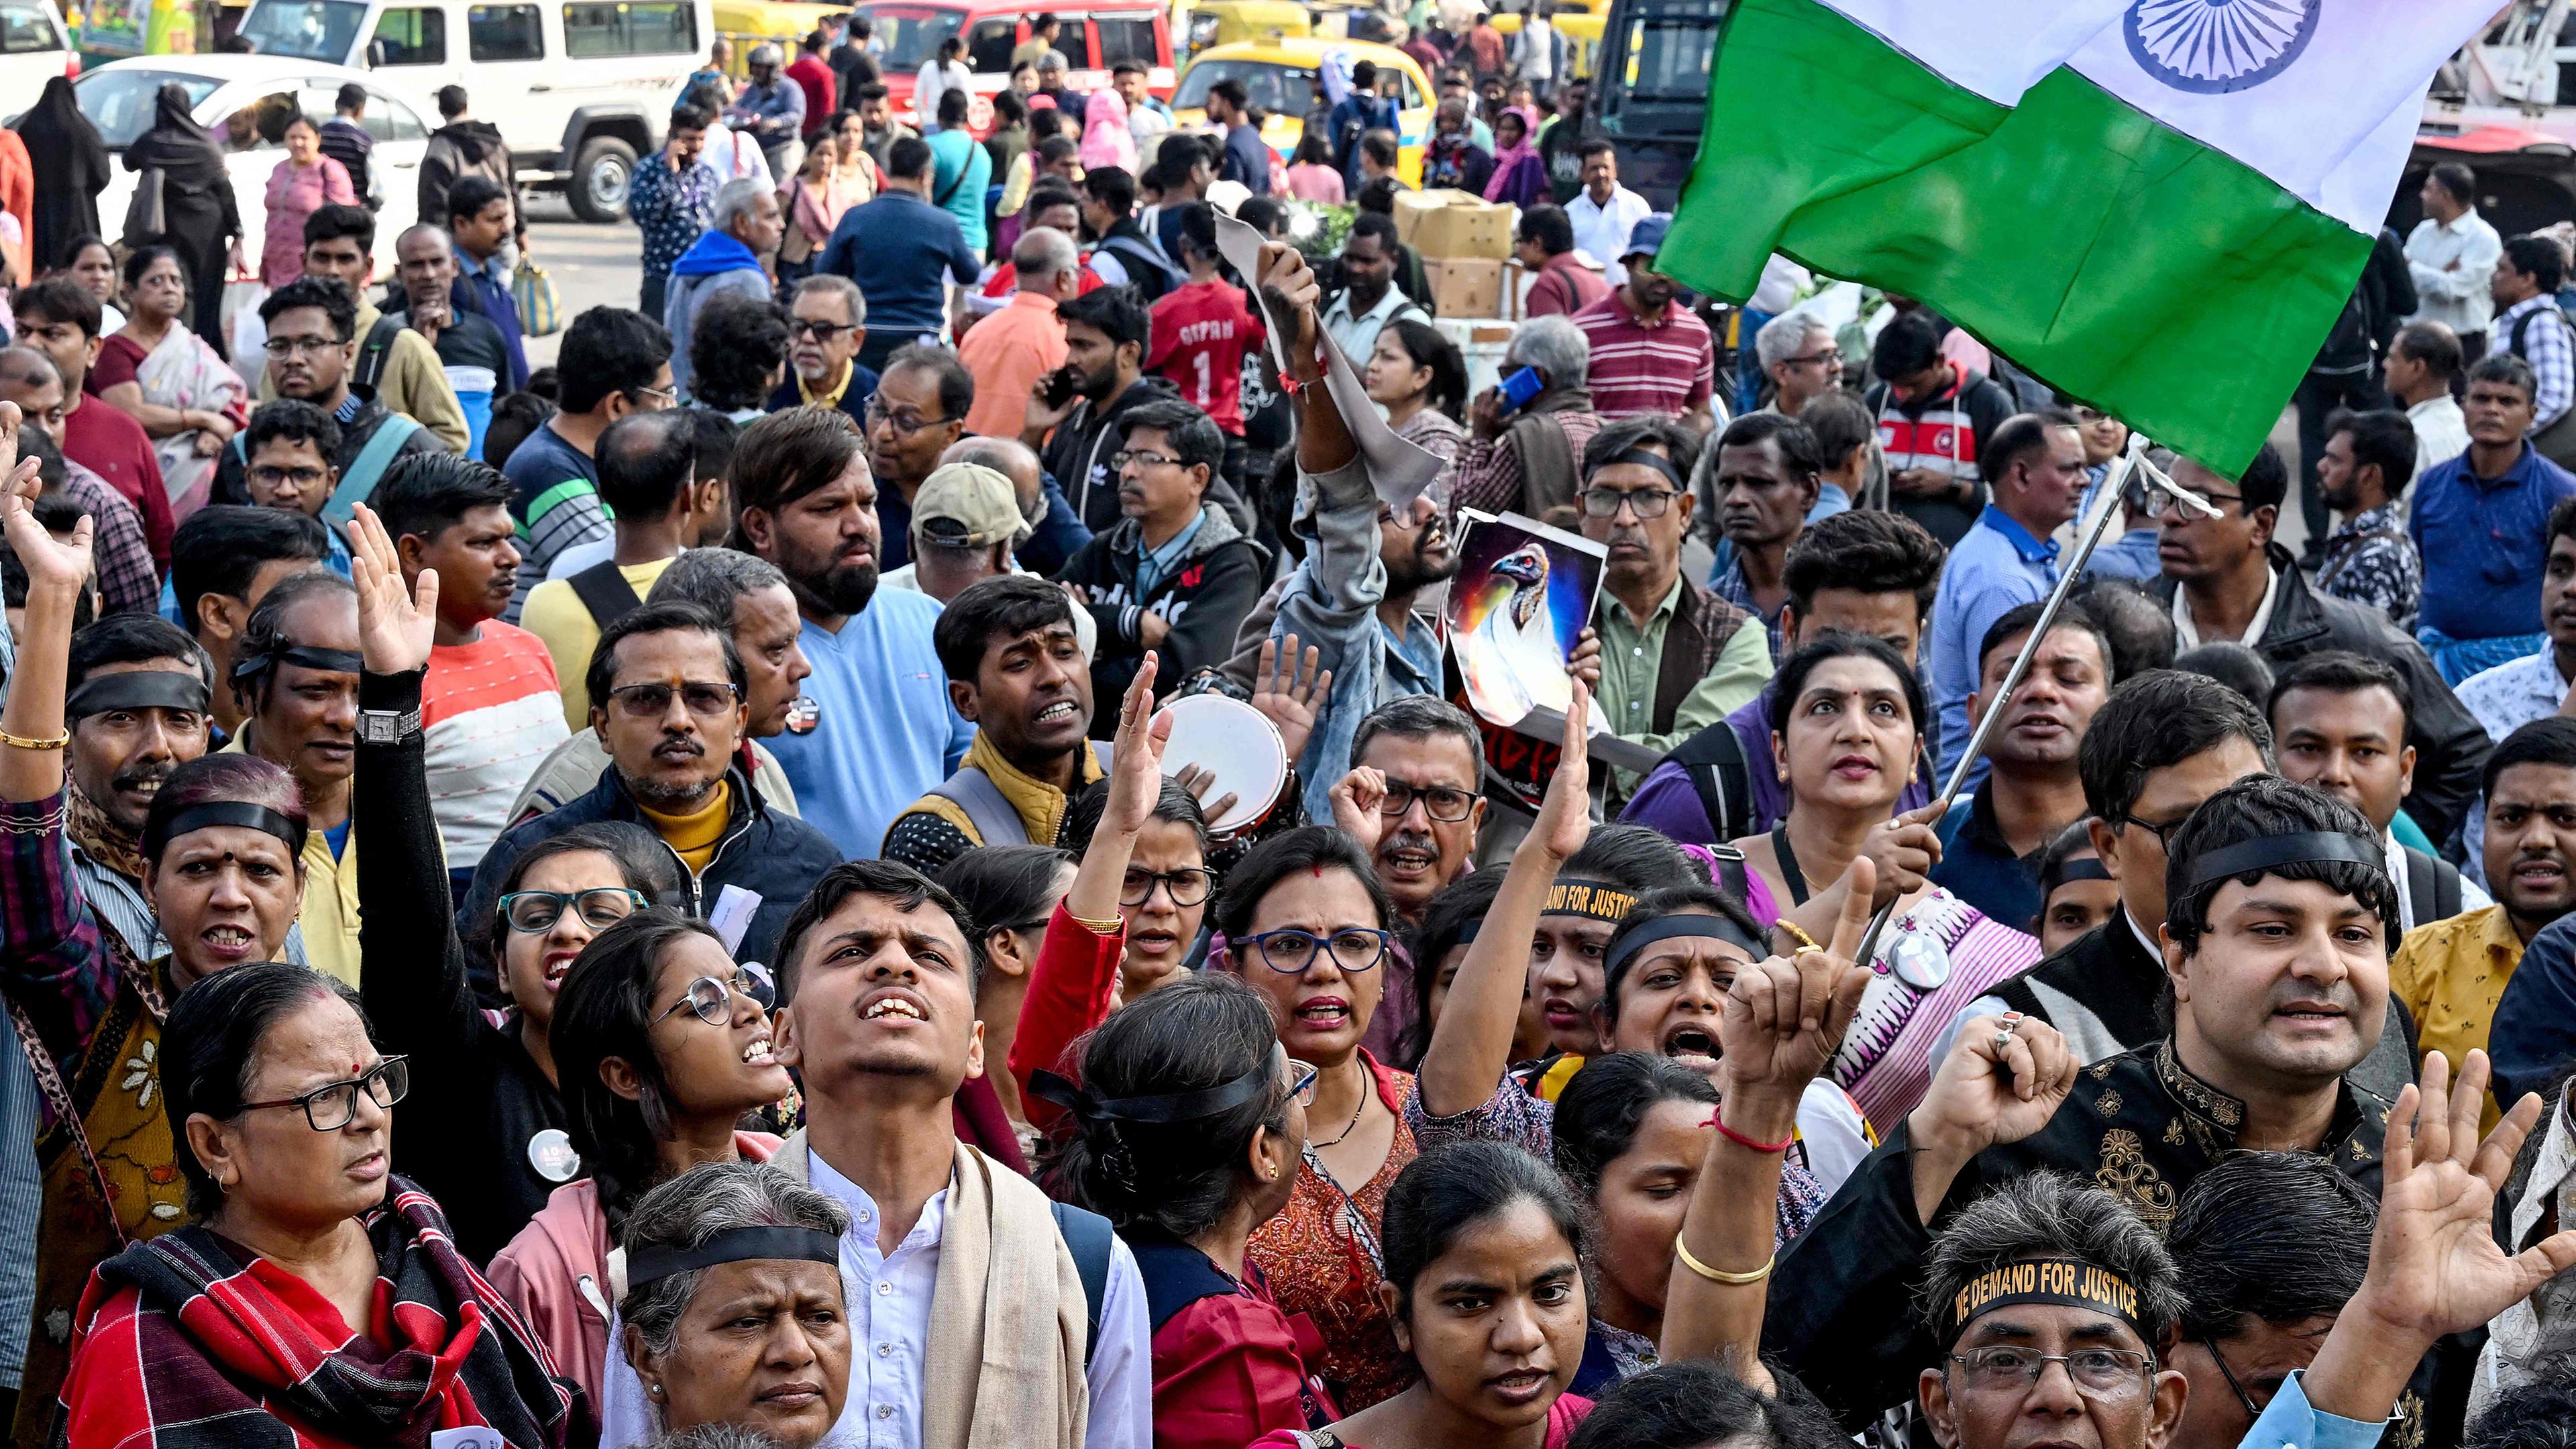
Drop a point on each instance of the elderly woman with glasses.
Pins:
(493, 1141)
(733, 1311)
(321, 1300)
(661, 1044)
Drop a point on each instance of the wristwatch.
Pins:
(387, 727)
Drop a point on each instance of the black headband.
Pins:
(338, 661)
(1644, 459)
(1166, 1107)
(2085, 868)
(734, 1245)
(210, 813)
(1599, 900)
(2313, 847)
(1636, 938)
(137, 689)
(2068, 1281)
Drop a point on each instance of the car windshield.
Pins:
(119, 102)
(305, 29)
(1279, 89)
(1669, 52)
(911, 33)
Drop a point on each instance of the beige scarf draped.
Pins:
(1008, 1322)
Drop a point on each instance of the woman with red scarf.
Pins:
(320, 1302)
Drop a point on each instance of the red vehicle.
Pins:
(1094, 37)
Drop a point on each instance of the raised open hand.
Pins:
(1136, 774)
(65, 563)
(1198, 780)
(1565, 815)
(1785, 1017)
(2435, 1265)
(396, 626)
(1288, 690)
(1355, 800)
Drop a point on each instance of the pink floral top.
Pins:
(293, 194)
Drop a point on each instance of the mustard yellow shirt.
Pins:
(561, 622)
(2451, 973)
(693, 837)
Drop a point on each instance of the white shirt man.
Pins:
(2451, 253)
(1601, 229)
(2441, 432)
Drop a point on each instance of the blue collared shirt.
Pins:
(1154, 564)
(888, 733)
(2291, 1422)
(1997, 565)
(2483, 542)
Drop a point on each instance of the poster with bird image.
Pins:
(1523, 593)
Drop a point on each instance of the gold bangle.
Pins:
(1111, 927)
(1805, 941)
(21, 742)
(1732, 1280)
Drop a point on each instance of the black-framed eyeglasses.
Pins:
(1816, 359)
(2163, 832)
(2097, 1373)
(652, 701)
(1647, 502)
(532, 912)
(333, 1105)
(301, 478)
(2227, 1371)
(904, 423)
(1354, 949)
(1301, 1082)
(1142, 458)
(1188, 887)
(2161, 504)
(819, 331)
(711, 998)
(1441, 802)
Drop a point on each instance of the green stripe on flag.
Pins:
(2120, 261)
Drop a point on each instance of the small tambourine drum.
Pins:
(1239, 747)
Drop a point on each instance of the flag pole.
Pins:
(2133, 462)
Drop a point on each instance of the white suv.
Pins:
(33, 50)
(578, 88)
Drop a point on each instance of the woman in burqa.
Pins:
(198, 218)
(75, 170)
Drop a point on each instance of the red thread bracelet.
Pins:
(1740, 1140)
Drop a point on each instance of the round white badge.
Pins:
(551, 1153)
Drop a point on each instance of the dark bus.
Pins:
(1650, 89)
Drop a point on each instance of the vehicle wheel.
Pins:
(602, 172)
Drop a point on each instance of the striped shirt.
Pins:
(1669, 366)
(2535, 328)
(556, 506)
(491, 711)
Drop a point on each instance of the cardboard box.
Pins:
(1465, 286)
(1454, 224)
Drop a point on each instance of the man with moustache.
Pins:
(2276, 951)
(2451, 974)
(749, 594)
(1867, 571)
(223, 561)
(2230, 580)
(956, 1265)
(1768, 475)
(668, 697)
(1018, 673)
(827, 324)
(2035, 466)
(295, 678)
(2034, 789)
(312, 357)
(885, 731)
(2339, 723)
(1650, 354)
(916, 413)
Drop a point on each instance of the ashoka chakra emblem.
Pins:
(2210, 47)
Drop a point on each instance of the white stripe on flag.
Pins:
(2296, 89)
(1996, 48)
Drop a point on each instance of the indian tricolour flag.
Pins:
(2158, 206)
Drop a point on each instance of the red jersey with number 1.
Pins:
(1201, 332)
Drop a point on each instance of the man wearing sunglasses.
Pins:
(2231, 580)
(827, 324)
(1668, 658)
(667, 696)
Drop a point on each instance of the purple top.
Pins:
(1668, 803)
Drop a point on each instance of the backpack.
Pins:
(1088, 1237)
(373, 352)
(2434, 894)
(2557, 442)
(1714, 761)
(604, 591)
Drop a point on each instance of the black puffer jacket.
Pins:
(1204, 601)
